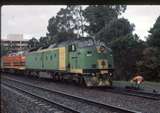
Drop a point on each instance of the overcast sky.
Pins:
(32, 20)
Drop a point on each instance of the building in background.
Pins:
(15, 42)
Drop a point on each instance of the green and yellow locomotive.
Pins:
(85, 61)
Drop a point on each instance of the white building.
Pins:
(15, 42)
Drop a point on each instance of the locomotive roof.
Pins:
(61, 44)
(79, 41)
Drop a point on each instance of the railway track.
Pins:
(41, 99)
(91, 104)
(151, 96)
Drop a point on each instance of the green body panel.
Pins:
(73, 60)
(81, 59)
(44, 60)
(34, 60)
(50, 59)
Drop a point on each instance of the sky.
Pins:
(32, 21)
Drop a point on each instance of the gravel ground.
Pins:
(130, 102)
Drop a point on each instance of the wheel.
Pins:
(81, 81)
(55, 77)
(61, 77)
(37, 75)
(110, 82)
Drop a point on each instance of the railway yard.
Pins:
(31, 95)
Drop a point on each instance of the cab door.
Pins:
(72, 50)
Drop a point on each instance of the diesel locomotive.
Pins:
(85, 61)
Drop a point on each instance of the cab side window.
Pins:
(72, 48)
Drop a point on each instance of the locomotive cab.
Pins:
(93, 60)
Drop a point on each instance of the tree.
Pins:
(126, 51)
(52, 27)
(64, 20)
(149, 65)
(60, 25)
(78, 19)
(44, 41)
(154, 37)
(114, 29)
(68, 23)
(64, 36)
(4, 50)
(33, 43)
(100, 15)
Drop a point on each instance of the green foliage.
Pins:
(4, 50)
(78, 19)
(126, 51)
(63, 36)
(149, 65)
(33, 43)
(67, 22)
(9, 49)
(154, 37)
(44, 41)
(52, 27)
(115, 29)
(99, 15)
(72, 19)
